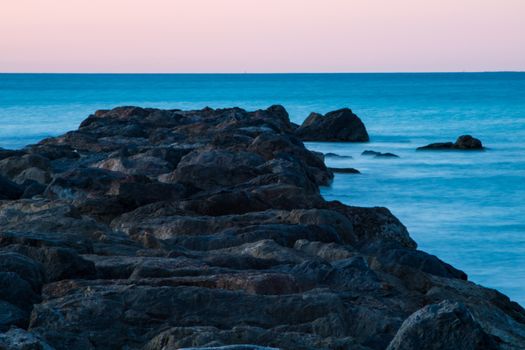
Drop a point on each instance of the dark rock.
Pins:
(32, 189)
(344, 170)
(444, 326)
(9, 189)
(31, 271)
(166, 229)
(340, 125)
(19, 339)
(395, 260)
(335, 155)
(379, 154)
(11, 315)
(212, 169)
(468, 142)
(27, 167)
(464, 142)
(57, 263)
(17, 291)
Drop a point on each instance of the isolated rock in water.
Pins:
(376, 154)
(464, 142)
(340, 125)
(444, 326)
(468, 142)
(166, 229)
(335, 155)
(344, 170)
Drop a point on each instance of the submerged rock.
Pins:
(340, 125)
(376, 154)
(167, 229)
(464, 142)
(335, 155)
(344, 170)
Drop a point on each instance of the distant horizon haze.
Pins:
(255, 36)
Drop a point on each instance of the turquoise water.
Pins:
(467, 208)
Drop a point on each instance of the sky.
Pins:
(199, 36)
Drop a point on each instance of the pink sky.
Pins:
(261, 35)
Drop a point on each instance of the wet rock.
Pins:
(337, 156)
(340, 125)
(344, 170)
(376, 154)
(464, 142)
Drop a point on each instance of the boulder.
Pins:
(444, 326)
(9, 189)
(341, 125)
(464, 142)
(10, 316)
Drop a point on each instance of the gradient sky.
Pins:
(261, 35)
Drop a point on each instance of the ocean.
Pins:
(468, 208)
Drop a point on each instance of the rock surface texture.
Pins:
(166, 229)
(464, 142)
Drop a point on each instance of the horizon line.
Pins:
(265, 73)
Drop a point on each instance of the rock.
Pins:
(232, 347)
(146, 165)
(443, 326)
(375, 224)
(11, 315)
(327, 251)
(468, 142)
(167, 229)
(57, 263)
(396, 260)
(344, 170)
(9, 189)
(31, 271)
(17, 291)
(335, 155)
(26, 167)
(379, 154)
(19, 339)
(33, 189)
(464, 142)
(340, 125)
(212, 169)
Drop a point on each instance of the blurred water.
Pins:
(466, 207)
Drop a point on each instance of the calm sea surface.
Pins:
(466, 208)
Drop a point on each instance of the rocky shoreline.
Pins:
(167, 229)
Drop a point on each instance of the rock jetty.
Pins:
(166, 229)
